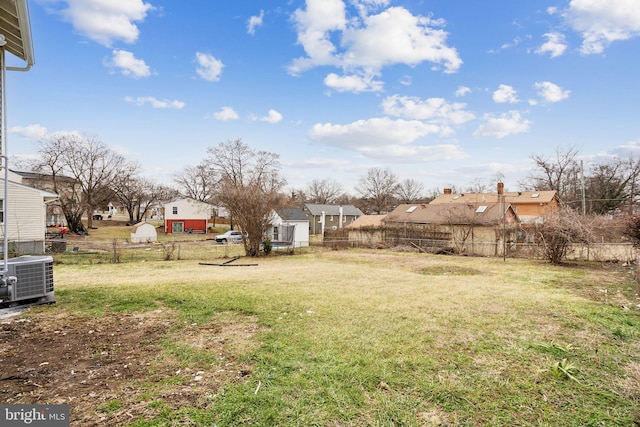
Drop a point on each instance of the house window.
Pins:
(275, 234)
(175, 210)
(1, 211)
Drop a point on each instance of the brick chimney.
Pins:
(500, 188)
(447, 191)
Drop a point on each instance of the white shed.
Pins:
(289, 227)
(26, 217)
(144, 232)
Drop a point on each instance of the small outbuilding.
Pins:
(289, 228)
(143, 232)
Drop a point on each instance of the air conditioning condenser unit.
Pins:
(29, 279)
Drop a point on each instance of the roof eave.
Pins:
(18, 38)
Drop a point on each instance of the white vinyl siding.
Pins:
(26, 213)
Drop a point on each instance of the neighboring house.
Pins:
(327, 217)
(186, 216)
(144, 232)
(113, 209)
(64, 186)
(26, 218)
(289, 227)
(462, 228)
(530, 206)
(367, 229)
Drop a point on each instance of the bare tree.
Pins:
(559, 232)
(89, 163)
(197, 182)
(95, 166)
(323, 191)
(377, 189)
(296, 198)
(478, 186)
(138, 194)
(561, 173)
(249, 187)
(410, 191)
(610, 184)
(51, 163)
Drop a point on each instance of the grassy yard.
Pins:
(376, 338)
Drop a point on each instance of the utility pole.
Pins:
(584, 199)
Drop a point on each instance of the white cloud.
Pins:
(367, 6)
(415, 153)
(226, 114)
(629, 149)
(436, 110)
(505, 94)
(395, 36)
(272, 117)
(603, 22)
(353, 83)
(209, 68)
(318, 163)
(369, 43)
(372, 132)
(551, 92)
(555, 45)
(406, 81)
(128, 64)
(155, 103)
(314, 26)
(104, 21)
(515, 42)
(34, 132)
(123, 151)
(386, 139)
(255, 22)
(462, 91)
(504, 125)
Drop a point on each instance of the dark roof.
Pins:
(317, 209)
(41, 176)
(292, 214)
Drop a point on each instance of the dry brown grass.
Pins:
(366, 337)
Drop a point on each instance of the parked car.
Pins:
(231, 236)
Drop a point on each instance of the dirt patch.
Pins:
(117, 368)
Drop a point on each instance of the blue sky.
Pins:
(447, 93)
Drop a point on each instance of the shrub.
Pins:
(267, 246)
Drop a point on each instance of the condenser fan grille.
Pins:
(34, 276)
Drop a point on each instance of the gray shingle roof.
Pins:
(317, 209)
(292, 214)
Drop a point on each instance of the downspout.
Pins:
(5, 159)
